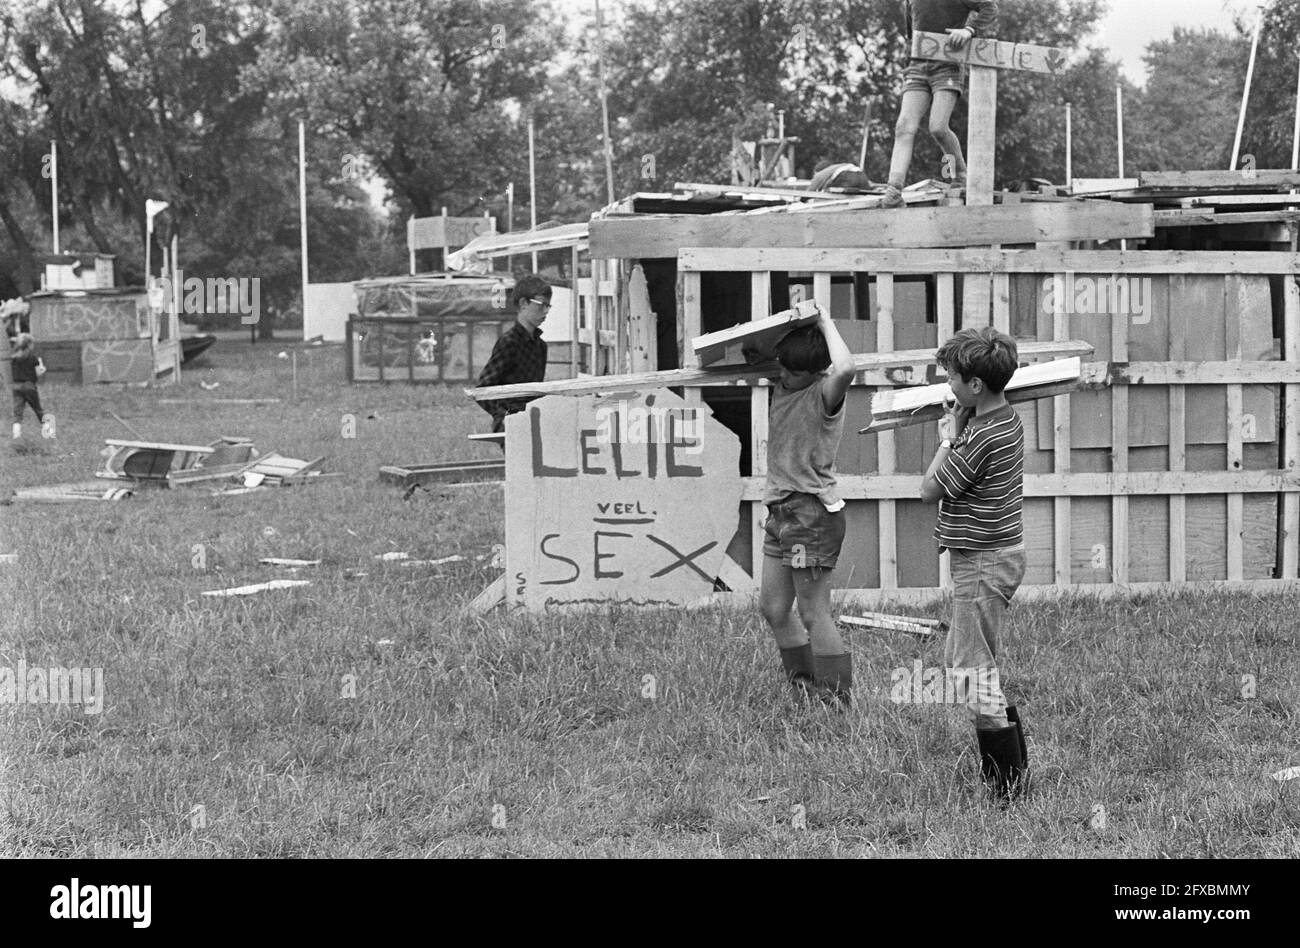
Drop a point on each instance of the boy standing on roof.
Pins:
(935, 85)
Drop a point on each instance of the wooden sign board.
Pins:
(753, 342)
(630, 500)
(992, 53)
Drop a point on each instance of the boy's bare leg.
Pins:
(776, 602)
(831, 661)
(910, 116)
(945, 101)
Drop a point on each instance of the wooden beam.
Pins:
(872, 487)
(754, 341)
(990, 53)
(694, 377)
(1291, 433)
(1177, 440)
(651, 236)
(1061, 461)
(1047, 262)
(760, 302)
(1119, 533)
(1272, 178)
(897, 408)
(886, 449)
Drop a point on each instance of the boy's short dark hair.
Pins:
(983, 353)
(804, 350)
(530, 287)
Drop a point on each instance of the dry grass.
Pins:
(538, 724)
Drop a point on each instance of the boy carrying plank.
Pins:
(805, 524)
(976, 476)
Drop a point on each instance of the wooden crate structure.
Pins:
(105, 335)
(1183, 468)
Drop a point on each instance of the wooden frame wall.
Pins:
(1062, 485)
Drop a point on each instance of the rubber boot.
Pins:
(833, 679)
(1013, 716)
(1001, 765)
(798, 665)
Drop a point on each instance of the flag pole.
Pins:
(1245, 93)
(302, 204)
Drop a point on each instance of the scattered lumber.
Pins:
(69, 493)
(755, 341)
(902, 407)
(148, 460)
(882, 362)
(259, 587)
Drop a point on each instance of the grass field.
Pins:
(533, 735)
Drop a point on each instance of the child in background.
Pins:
(27, 368)
(935, 85)
(976, 476)
(805, 525)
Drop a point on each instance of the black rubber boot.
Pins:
(798, 665)
(1001, 765)
(1013, 717)
(834, 679)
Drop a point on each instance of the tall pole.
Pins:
(54, 190)
(1295, 136)
(604, 103)
(1069, 145)
(1245, 93)
(148, 251)
(532, 183)
(1119, 120)
(302, 204)
(510, 222)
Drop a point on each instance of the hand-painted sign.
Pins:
(617, 499)
(990, 52)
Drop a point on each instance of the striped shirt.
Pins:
(981, 479)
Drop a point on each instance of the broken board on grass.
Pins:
(70, 493)
(753, 342)
(445, 472)
(902, 407)
(629, 500)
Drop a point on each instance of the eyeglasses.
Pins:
(544, 304)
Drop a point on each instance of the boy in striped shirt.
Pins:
(976, 476)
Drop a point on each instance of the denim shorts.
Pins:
(926, 75)
(803, 533)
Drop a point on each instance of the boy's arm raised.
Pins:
(840, 375)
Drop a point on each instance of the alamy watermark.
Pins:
(1069, 294)
(637, 422)
(934, 685)
(217, 296)
(53, 685)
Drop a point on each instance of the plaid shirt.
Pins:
(518, 356)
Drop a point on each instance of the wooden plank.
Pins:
(990, 53)
(971, 260)
(491, 597)
(754, 341)
(1243, 199)
(1206, 216)
(690, 326)
(1238, 307)
(1258, 178)
(1177, 440)
(1002, 302)
(886, 448)
(1291, 433)
(694, 376)
(760, 297)
(652, 236)
(1061, 460)
(1081, 186)
(1119, 425)
(1076, 484)
(946, 324)
(905, 404)
(1202, 373)
(981, 137)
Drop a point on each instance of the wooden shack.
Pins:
(1177, 466)
(105, 335)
